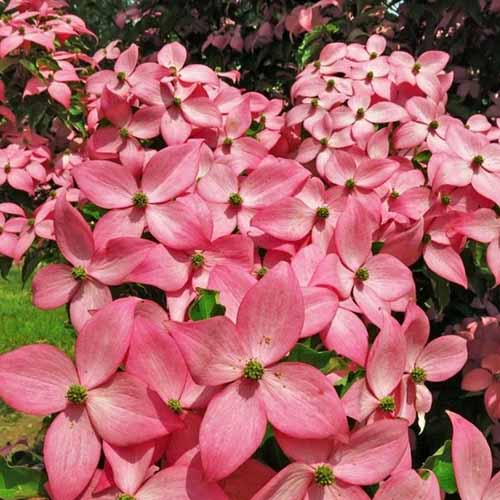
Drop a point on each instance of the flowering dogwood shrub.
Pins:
(257, 290)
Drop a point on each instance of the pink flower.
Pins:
(472, 461)
(328, 469)
(83, 284)
(168, 174)
(353, 269)
(296, 398)
(55, 83)
(94, 402)
(411, 484)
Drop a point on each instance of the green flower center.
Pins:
(322, 212)
(235, 199)
(418, 375)
(373, 55)
(433, 125)
(387, 404)
(360, 113)
(323, 475)
(177, 101)
(478, 160)
(369, 75)
(394, 194)
(21, 30)
(261, 272)
(445, 199)
(175, 405)
(228, 141)
(253, 370)
(140, 199)
(31, 222)
(426, 239)
(350, 183)
(77, 394)
(123, 133)
(330, 84)
(362, 274)
(78, 273)
(416, 68)
(121, 76)
(124, 496)
(314, 102)
(197, 260)
(317, 64)
(173, 70)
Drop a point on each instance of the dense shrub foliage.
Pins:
(274, 297)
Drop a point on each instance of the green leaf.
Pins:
(31, 260)
(20, 482)
(440, 463)
(5, 265)
(304, 354)
(422, 157)
(31, 67)
(206, 305)
(310, 45)
(441, 289)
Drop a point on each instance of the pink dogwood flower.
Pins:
(55, 83)
(473, 160)
(296, 398)
(433, 361)
(93, 401)
(422, 485)
(472, 462)
(134, 204)
(422, 72)
(328, 469)
(486, 378)
(84, 283)
(374, 280)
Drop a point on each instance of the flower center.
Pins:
(387, 404)
(433, 125)
(123, 133)
(197, 260)
(445, 199)
(121, 76)
(477, 161)
(140, 199)
(235, 199)
(350, 183)
(253, 370)
(31, 222)
(314, 102)
(7, 168)
(362, 274)
(317, 64)
(369, 76)
(228, 141)
(175, 405)
(418, 375)
(21, 30)
(323, 475)
(416, 68)
(330, 84)
(324, 141)
(426, 239)
(394, 194)
(77, 394)
(261, 272)
(78, 273)
(373, 55)
(322, 212)
(177, 101)
(360, 113)
(124, 496)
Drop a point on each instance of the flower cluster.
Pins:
(304, 222)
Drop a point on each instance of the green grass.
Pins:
(21, 323)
